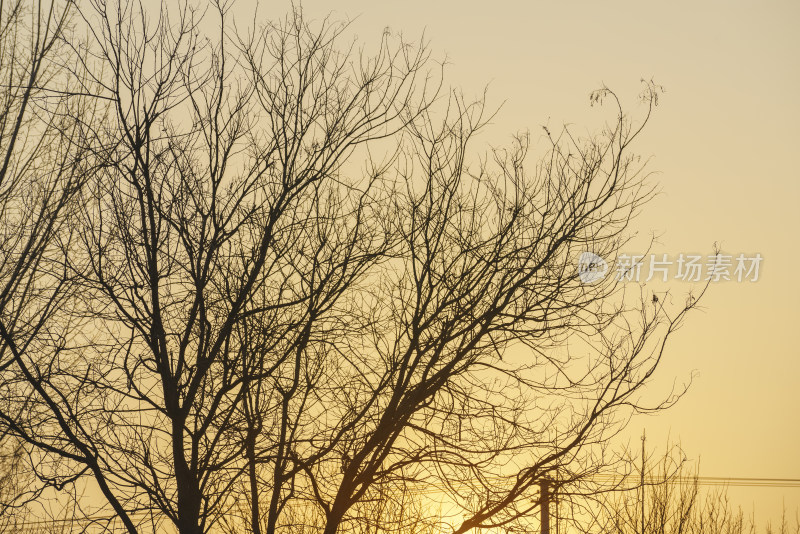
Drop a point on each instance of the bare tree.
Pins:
(674, 503)
(43, 166)
(193, 227)
(486, 261)
(294, 293)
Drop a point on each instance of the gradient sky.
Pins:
(723, 141)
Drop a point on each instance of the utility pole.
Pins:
(544, 491)
(644, 437)
(555, 514)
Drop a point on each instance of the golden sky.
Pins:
(723, 141)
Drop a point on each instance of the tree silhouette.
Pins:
(44, 164)
(290, 291)
(674, 503)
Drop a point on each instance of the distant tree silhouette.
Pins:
(255, 279)
(674, 503)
